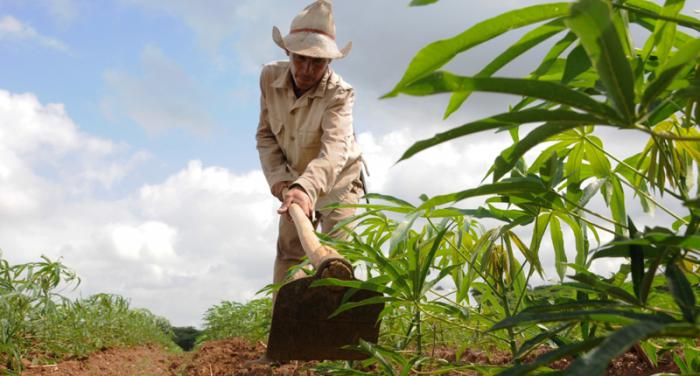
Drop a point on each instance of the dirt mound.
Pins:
(230, 357)
(150, 360)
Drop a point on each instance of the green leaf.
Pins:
(428, 261)
(392, 199)
(617, 205)
(558, 243)
(581, 250)
(596, 362)
(592, 21)
(508, 158)
(505, 120)
(553, 55)
(576, 63)
(685, 56)
(530, 255)
(401, 231)
(415, 3)
(604, 287)
(550, 356)
(664, 33)
(636, 261)
(610, 316)
(682, 291)
(437, 54)
(653, 10)
(504, 187)
(598, 160)
(443, 82)
(527, 42)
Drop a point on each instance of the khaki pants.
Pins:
(289, 249)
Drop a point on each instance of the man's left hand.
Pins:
(297, 196)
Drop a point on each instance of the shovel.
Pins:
(302, 328)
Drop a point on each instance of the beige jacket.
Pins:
(310, 140)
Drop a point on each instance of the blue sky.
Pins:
(109, 38)
(127, 134)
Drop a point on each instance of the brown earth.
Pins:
(231, 357)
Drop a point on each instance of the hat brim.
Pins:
(310, 44)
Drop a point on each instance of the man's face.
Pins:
(307, 71)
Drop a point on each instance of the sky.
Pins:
(127, 134)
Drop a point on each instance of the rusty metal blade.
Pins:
(301, 329)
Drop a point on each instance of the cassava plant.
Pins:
(594, 75)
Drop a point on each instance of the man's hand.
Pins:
(278, 189)
(297, 196)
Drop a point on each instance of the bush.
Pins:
(38, 324)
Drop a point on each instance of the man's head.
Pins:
(312, 33)
(307, 71)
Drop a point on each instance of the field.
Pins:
(463, 275)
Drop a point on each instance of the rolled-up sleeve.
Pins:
(321, 174)
(272, 158)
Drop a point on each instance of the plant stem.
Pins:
(419, 335)
(506, 310)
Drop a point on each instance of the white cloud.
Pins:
(14, 30)
(202, 235)
(163, 97)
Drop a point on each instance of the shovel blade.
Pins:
(302, 330)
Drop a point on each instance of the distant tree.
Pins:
(185, 337)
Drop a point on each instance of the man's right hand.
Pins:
(278, 189)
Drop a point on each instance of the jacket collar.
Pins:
(284, 81)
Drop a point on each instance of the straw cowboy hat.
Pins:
(312, 33)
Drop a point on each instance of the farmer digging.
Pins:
(305, 137)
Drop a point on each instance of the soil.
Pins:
(234, 356)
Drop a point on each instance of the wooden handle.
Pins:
(309, 241)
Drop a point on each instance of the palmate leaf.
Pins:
(592, 21)
(596, 362)
(685, 56)
(437, 54)
(507, 159)
(527, 42)
(445, 82)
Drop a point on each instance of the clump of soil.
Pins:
(151, 360)
(234, 356)
(629, 364)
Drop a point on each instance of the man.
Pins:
(305, 136)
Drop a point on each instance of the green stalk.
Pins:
(506, 310)
(419, 334)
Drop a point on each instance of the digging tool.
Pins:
(301, 325)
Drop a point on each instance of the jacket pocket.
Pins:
(276, 125)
